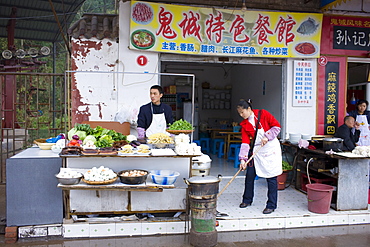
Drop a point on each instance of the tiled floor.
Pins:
(292, 208)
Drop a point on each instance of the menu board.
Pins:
(303, 83)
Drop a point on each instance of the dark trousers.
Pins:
(272, 186)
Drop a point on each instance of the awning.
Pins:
(329, 4)
(36, 19)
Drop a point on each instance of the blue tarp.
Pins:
(329, 3)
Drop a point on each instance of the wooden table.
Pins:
(231, 137)
(215, 133)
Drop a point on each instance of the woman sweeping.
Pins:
(259, 128)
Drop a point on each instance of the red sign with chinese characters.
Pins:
(345, 35)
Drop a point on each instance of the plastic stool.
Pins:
(236, 157)
(214, 144)
(221, 150)
(205, 144)
(197, 142)
(233, 151)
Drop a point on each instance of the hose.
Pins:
(308, 174)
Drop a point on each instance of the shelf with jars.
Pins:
(171, 100)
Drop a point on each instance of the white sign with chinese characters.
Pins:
(303, 83)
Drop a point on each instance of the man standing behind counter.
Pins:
(154, 116)
(345, 132)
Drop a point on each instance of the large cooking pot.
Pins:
(203, 187)
(335, 144)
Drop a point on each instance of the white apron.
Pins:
(364, 128)
(158, 124)
(268, 160)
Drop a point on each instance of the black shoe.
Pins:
(244, 205)
(268, 211)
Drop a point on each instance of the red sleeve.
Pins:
(268, 120)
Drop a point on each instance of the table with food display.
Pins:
(86, 179)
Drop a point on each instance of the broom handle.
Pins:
(237, 173)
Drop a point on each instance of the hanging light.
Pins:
(244, 7)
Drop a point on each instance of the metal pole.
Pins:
(54, 83)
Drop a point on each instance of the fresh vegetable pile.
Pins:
(286, 166)
(180, 125)
(100, 136)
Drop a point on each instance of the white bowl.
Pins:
(294, 135)
(164, 177)
(45, 145)
(306, 136)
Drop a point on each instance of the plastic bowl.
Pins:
(132, 179)
(45, 146)
(164, 177)
(68, 181)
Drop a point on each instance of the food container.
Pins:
(335, 144)
(132, 179)
(201, 165)
(203, 186)
(68, 181)
(164, 177)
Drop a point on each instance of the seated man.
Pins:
(345, 132)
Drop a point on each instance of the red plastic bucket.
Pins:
(319, 197)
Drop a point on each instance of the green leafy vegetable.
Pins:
(74, 131)
(89, 138)
(97, 131)
(180, 125)
(104, 141)
(102, 137)
(286, 166)
(84, 127)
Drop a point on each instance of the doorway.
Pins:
(220, 86)
(357, 81)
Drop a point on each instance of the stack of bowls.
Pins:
(306, 136)
(294, 137)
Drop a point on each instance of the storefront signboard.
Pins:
(345, 35)
(331, 95)
(303, 83)
(223, 32)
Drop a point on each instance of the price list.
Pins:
(303, 83)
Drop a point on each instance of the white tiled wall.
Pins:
(76, 230)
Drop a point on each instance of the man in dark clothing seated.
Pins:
(346, 133)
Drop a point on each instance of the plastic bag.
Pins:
(127, 114)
